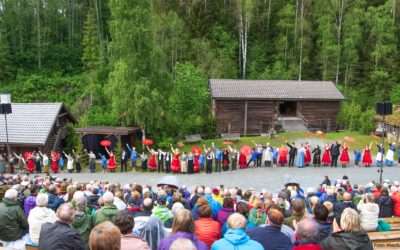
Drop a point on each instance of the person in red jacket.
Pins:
(207, 230)
(396, 200)
(308, 234)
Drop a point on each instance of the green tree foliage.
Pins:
(189, 99)
(120, 62)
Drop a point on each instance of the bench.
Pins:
(193, 138)
(381, 239)
(231, 136)
(391, 220)
(30, 247)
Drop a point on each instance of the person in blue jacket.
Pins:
(357, 157)
(134, 156)
(103, 163)
(201, 162)
(253, 158)
(236, 237)
(61, 163)
(218, 158)
(275, 157)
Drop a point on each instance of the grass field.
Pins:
(360, 140)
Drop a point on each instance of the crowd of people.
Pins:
(203, 160)
(55, 213)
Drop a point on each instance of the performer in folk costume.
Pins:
(77, 161)
(307, 157)
(184, 159)
(317, 156)
(196, 163)
(134, 156)
(152, 162)
(45, 162)
(292, 153)
(326, 158)
(390, 154)
(175, 164)
(267, 155)
(242, 161)
(344, 157)
(367, 159)
(103, 163)
(357, 157)
(300, 157)
(92, 161)
(218, 157)
(283, 152)
(21, 162)
(225, 159)
(275, 157)
(54, 161)
(209, 159)
(70, 162)
(60, 163)
(190, 161)
(38, 163)
(234, 156)
(144, 159)
(111, 161)
(379, 155)
(30, 166)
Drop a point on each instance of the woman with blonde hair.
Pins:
(105, 236)
(349, 235)
(183, 227)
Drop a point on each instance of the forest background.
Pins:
(146, 62)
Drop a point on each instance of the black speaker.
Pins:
(5, 108)
(384, 108)
(380, 108)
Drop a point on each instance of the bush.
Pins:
(367, 122)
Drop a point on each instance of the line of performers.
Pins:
(211, 159)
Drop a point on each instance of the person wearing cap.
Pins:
(161, 211)
(270, 236)
(216, 196)
(134, 204)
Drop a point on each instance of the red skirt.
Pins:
(111, 163)
(367, 159)
(175, 165)
(344, 158)
(326, 158)
(30, 166)
(242, 161)
(282, 160)
(307, 158)
(54, 166)
(152, 163)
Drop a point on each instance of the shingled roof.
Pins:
(274, 90)
(30, 123)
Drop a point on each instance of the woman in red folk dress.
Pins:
(176, 163)
(367, 159)
(307, 157)
(54, 161)
(282, 152)
(196, 164)
(30, 166)
(111, 161)
(242, 161)
(152, 163)
(326, 158)
(344, 158)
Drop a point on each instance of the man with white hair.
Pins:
(107, 212)
(307, 231)
(38, 216)
(182, 244)
(12, 222)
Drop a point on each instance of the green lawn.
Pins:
(360, 140)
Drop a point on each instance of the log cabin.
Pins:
(35, 126)
(254, 107)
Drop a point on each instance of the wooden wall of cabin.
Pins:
(260, 116)
(320, 115)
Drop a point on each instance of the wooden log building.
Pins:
(35, 126)
(252, 107)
